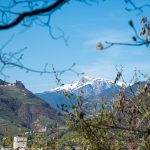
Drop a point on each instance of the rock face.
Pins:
(19, 106)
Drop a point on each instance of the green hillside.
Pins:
(21, 109)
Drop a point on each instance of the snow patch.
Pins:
(85, 80)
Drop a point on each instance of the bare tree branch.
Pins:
(14, 59)
(135, 7)
(137, 40)
(23, 15)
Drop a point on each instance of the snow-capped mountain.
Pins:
(98, 85)
(91, 89)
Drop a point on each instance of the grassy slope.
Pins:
(11, 97)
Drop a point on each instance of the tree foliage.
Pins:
(121, 126)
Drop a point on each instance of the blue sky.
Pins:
(86, 26)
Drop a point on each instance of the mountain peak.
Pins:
(85, 79)
(96, 83)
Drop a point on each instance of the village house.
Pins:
(20, 143)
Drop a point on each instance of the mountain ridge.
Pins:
(82, 82)
(92, 90)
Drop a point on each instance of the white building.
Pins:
(20, 143)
